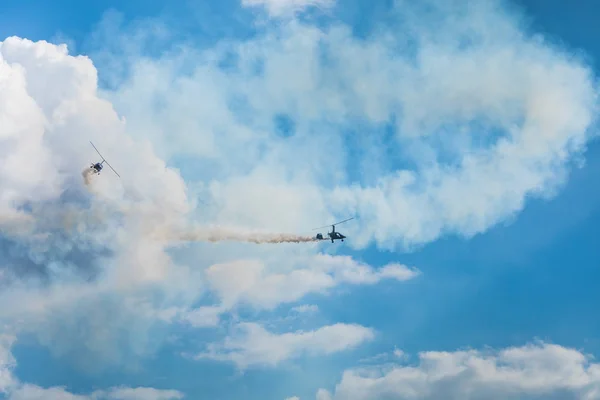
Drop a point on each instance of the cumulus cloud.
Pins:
(264, 287)
(252, 283)
(252, 345)
(83, 247)
(534, 371)
(429, 132)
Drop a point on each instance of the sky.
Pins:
(461, 136)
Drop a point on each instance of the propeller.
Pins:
(337, 223)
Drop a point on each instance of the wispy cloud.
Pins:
(306, 309)
(252, 345)
(534, 371)
(482, 114)
(456, 121)
(250, 282)
(265, 287)
(286, 8)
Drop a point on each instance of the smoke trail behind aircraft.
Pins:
(87, 175)
(227, 234)
(217, 234)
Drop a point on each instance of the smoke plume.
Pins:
(87, 174)
(219, 234)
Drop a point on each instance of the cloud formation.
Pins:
(534, 371)
(262, 286)
(249, 282)
(446, 128)
(252, 345)
(84, 247)
(434, 131)
(281, 8)
(13, 389)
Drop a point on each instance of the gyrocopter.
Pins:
(97, 167)
(333, 235)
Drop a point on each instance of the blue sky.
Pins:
(463, 138)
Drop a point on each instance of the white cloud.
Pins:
(33, 392)
(383, 358)
(207, 316)
(279, 8)
(14, 389)
(7, 363)
(93, 243)
(323, 394)
(252, 345)
(486, 116)
(534, 371)
(398, 353)
(293, 398)
(140, 393)
(251, 281)
(101, 255)
(306, 309)
(264, 286)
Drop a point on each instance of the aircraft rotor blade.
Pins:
(337, 223)
(346, 220)
(112, 168)
(104, 159)
(96, 150)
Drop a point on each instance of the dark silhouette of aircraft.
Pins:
(97, 167)
(333, 235)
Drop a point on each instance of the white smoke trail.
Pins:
(72, 218)
(87, 174)
(219, 234)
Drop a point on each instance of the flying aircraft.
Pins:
(97, 167)
(333, 235)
